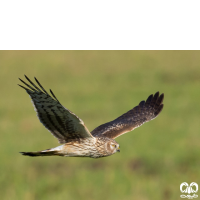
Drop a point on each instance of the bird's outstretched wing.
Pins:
(61, 122)
(134, 118)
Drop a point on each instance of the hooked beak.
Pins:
(118, 150)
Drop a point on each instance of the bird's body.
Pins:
(72, 133)
(92, 147)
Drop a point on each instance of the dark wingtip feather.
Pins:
(154, 99)
(53, 95)
(21, 80)
(161, 97)
(26, 77)
(156, 95)
(40, 85)
(149, 99)
(22, 87)
(157, 112)
(142, 103)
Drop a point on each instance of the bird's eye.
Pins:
(114, 145)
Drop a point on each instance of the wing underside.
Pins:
(61, 122)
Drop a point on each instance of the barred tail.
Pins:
(40, 153)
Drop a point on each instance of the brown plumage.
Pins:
(71, 131)
(134, 118)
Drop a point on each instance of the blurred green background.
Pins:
(99, 86)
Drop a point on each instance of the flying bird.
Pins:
(75, 139)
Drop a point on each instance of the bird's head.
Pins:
(112, 147)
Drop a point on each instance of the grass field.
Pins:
(99, 86)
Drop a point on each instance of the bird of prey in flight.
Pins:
(71, 132)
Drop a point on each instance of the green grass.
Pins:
(99, 86)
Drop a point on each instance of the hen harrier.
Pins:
(72, 133)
